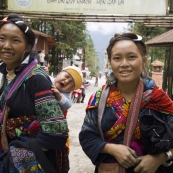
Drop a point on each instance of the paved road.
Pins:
(79, 162)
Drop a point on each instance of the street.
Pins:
(79, 162)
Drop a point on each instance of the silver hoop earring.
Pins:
(144, 73)
(110, 78)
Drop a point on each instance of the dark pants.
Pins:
(83, 94)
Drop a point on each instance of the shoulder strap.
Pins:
(21, 78)
(39, 71)
(132, 118)
(4, 114)
(133, 114)
(101, 107)
(41, 157)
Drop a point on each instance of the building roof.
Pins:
(49, 38)
(165, 39)
(157, 63)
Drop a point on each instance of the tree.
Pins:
(163, 54)
(91, 57)
(69, 36)
(147, 33)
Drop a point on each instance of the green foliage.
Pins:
(41, 25)
(91, 57)
(157, 53)
(70, 36)
(154, 53)
(146, 32)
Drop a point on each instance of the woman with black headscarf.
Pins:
(29, 110)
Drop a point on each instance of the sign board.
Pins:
(127, 7)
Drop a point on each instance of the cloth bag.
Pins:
(156, 135)
(108, 168)
(25, 155)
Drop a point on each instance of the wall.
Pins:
(158, 78)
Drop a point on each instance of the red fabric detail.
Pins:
(159, 101)
(92, 97)
(43, 93)
(90, 100)
(65, 112)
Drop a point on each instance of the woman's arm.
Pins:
(53, 123)
(90, 138)
(97, 149)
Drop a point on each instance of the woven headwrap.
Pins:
(18, 21)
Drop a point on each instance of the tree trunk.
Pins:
(170, 73)
(165, 72)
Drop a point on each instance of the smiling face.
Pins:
(12, 45)
(64, 82)
(126, 61)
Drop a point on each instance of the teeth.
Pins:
(7, 54)
(125, 72)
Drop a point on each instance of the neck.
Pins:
(128, 89)
(11, 67)
(10, 71)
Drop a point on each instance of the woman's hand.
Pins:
(125, 156)
(148, 164)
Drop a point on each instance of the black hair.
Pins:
(129, 36)
(18, 21)
(126, 36)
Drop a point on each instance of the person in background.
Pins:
(100, 74)
(120, 140)
(96, 81)
(41, 58)
(26, 97)
(83, 91)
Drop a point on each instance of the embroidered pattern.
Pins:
(24, 160)
(121, 109)
(49, 111)
(114, 132)
(54, 127)
(98, 94)
(24, 125)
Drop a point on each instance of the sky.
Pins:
(101, 33)
(106, 28)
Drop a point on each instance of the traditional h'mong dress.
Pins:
(114, 122)
(34, 111)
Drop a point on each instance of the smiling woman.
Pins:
(26, 97)
(111, 133)
(12, 37)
